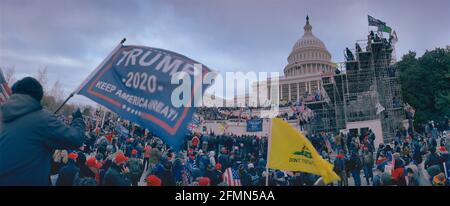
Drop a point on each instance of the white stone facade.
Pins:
(307, 62)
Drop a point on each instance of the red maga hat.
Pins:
(203, 181)
(73, 156)
(153, 180)
(120, 157)
(93, 162)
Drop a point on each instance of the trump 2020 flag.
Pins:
(290, 150)
(135, 83)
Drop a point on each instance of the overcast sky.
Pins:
(71, 38)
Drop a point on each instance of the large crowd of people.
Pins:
(112, 158)
(96, 151)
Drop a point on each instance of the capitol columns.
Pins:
(289, 90)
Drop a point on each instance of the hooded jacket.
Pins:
(28, 137)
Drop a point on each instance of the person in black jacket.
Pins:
(117, 174)
(213, 175)
(68, 173)
(355, 166)
(91, 170)
(433, 159)
(29, 135)
(165, 174)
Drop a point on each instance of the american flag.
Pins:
(5, 91)
(196, 122)
(191, 127)
(231, 177)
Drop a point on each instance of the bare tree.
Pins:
(10, 75)
(56, 91)
(42, 77)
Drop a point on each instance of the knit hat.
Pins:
(340, 156)
(381, 167)
(409, 170)
(120, 157)
(134, 152)
(203, 181)
(73, 156)
(279, 174)
(93, 162)
(153, 180)
(218, 166)
(29, 86)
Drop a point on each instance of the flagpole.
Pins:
(91, 75)
(103, 119)
(269, 140)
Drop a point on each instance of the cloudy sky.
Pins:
(71, 37)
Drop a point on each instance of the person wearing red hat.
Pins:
(117, 174)
(67, 174)
(368, 163)
(153, 180)
(224, 159)
(218, 167)
(93, 170)
(73, 156)
(109, 137)
(203, 181)
(147, 150)
(135, 166)
(195, 140)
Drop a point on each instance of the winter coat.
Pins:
(339, 164)
(86, 172)
(67, 174)
(114, 177)
(433, 159)
(135, 167)
(368, 159)
(224, 160)
(214, 176)
(166, 177)
(355, 163)
(29, 136)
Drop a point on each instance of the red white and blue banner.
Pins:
(135, 83)
(5, 91)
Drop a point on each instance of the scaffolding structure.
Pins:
(366, 88)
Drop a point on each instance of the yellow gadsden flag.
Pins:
(290, 150)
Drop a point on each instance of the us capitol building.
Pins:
(307, 62)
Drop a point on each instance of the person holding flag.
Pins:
(30, 134)
(142, 84)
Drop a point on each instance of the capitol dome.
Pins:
(309, 55)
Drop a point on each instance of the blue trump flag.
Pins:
(135, 83)
(254, 125)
